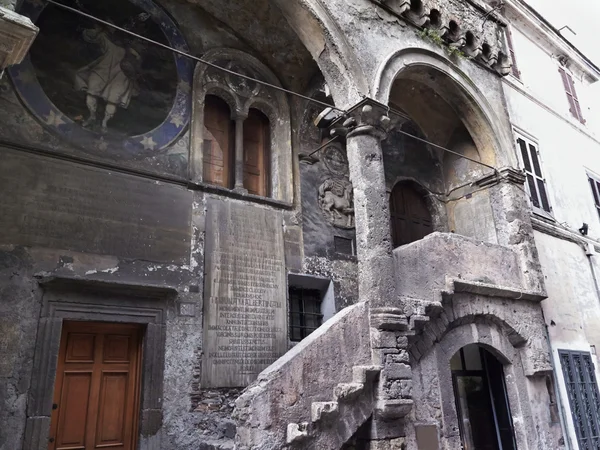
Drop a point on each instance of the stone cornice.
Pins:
(17, 33)
(467, 28)
(534, 26)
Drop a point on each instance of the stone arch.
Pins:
(521, 325)
(218, 91)
(327, 44)
(436, 208)
(490, 131)
(242, 95)
(433, 379)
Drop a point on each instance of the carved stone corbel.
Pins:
(17, 33)
(397, 6)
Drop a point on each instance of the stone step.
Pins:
(322, 410)
(365, 374)
(297, 432)
(347, 391)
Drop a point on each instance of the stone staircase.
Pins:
(318, 394)
(333, 423)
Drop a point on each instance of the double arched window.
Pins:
(241, 131)
(223, 151)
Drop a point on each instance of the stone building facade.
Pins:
(190, 260)
(545, 121)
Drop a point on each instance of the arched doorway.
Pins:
(482, 407)
(409, 214)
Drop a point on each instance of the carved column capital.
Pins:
(368, 117)
(17, 33)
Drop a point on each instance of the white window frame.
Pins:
(537, 178)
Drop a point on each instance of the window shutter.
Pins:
(511, 49)
(595, 185)
(569, 86)
(536, 184)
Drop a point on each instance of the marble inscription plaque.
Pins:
(50, 203)
(245, 319)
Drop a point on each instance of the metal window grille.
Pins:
(584, 398)
(343, 245)
(305, 312)
(536, 183)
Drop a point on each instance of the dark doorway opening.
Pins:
(410, 216)
(482, 406)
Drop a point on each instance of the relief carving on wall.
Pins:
(335, 192)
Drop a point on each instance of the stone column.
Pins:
(376, 282)
(239, 153)
(376, 277)
(17, 33)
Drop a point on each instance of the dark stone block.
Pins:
(63, 205)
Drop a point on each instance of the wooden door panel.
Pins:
(116, 349)
(97, 387)
(80, 348)
(218, 145)
(256, 147)
(410, 217)
(75, 401)
(112, 409)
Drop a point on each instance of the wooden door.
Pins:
(256, 144)
(96, 393)
(409, 215)
(217, 150)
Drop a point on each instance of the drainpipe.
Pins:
(562, 413)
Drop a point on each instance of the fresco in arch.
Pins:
(101, 89)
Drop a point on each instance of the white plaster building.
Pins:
(567, 141)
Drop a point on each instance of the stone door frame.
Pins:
(83, 300)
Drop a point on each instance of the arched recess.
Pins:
(523, 329)
(434, 394)
(489, 129)
(410, 213)
(328, 46)
(241, 95)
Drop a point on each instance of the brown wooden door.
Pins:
(96, 393)
(218, 142)
(256, 143)
(409, 215)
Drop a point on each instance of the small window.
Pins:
(218, 143)
(343, 245)
(595, 185)
(584, 398)
(511, 49)
(569, 86)
(536, 183)
(305, 312)
(256, 153)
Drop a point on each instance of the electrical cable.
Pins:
(264, 83)
(195, 58)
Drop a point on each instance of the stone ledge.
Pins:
(17, 33)
(492, 290)
(96, 285)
